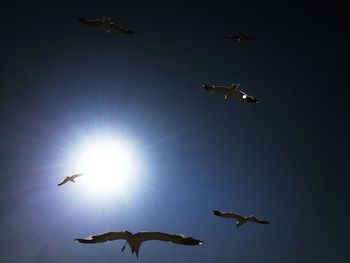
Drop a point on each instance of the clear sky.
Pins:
(284, 159)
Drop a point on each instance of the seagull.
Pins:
(240, 219)
(107, 25)
(240, 37)
(135, 240)
(231, 91)
(70, 178)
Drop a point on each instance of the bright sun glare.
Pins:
(108, 167)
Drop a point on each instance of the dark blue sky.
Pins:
(285, 159)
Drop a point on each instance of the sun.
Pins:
(108, 167)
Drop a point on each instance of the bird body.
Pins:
(135, 240)
(232, 91)
(107, 25)
(240, 219)
(70, 179)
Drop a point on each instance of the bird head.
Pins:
(128, 233)
(237, 225)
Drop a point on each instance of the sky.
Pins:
(284, 159)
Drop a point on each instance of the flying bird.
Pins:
(240, 37)
(107, 25)
(232, 91)
(240, 219)
(70, 179)
(135, 240)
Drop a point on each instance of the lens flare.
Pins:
(108, 167)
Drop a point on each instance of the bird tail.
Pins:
(136, 252)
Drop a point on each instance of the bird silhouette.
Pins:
(135, 240)
(240, 219)
(107, 25)
(232, 91)
(70, 179)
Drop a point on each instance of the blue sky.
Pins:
(284, 159)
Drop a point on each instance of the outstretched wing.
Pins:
(246, 37)
(64, 181)
(228, 215)
(117, 28)
(265, 222)
(229, 36)
(105, 237)
(173, 238)
(76, 175)
(257, 220)
(91, 22)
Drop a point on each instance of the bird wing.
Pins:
(228, 215)
(64, 181)
(229, 36)
(246, 37)
(265, 222)
(220, 89)
(257, 220)
(105, 237)
(120, 29)
(91, 22)
(76, 175)
(173, 238)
